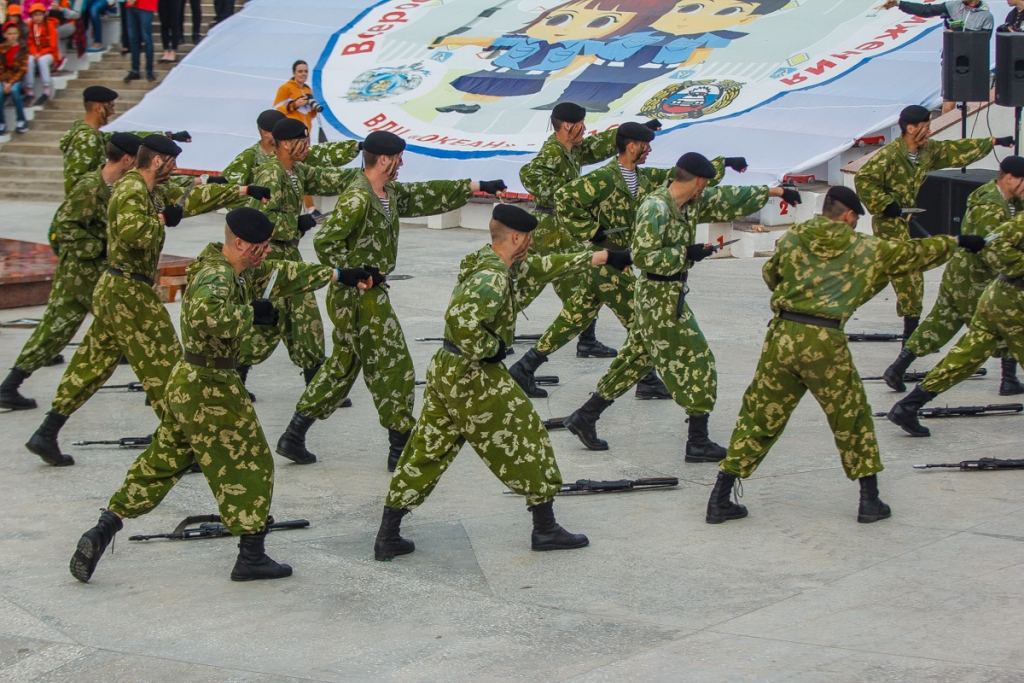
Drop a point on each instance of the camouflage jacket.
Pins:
(826, 268)
(215, 310)
(987, 209)
(359, 232)
(554, 165)
(85, 150)
(1005, 254)
(662, 230)
(135, 234)
(285, 203)
(483, 307)
(79, 227)
(890, 176)
(242, 169)
(602, 198)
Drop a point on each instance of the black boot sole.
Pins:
(719, 519)
(388, 554)
(297, 459)
(895, 383)
(24, 404)
(64, 461)
(868, 519)
(594, 354)
(601, 445)
(249, 577)
(84, 561)
(1004, 390)
(702, 458)
(901, 421)
(581, 542)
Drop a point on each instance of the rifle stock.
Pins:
(873, 337)
(980, 464)
(968, 411)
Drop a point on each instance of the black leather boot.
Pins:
(1008, 386)
(389, 542)
(253, 564)
(549, 535)
(309, 373)
(871, 508)
(10, 397)
(720, 508)
(700, 448)
(587, 345)
(92, 544)
(56, 360)
(397, 441)
(893, 374)
(904, 413)
(243, 373)
(910, 323)
(583, 422)
(651, 386)
(292, 444)
(524, 369)
(44, 441)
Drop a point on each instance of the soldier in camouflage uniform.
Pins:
(998, 319)
(210, 420)
(85, 145)
(889, 182)
(130, 319)
(966, 277)
(471, 397)
(665, 334)
(78, 235)
(289, 179)
(363, 231)
(822, 270)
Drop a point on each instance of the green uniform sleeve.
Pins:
(981, 219)
(204, 198)
(771, 272)
(719, 164)
(293, 277)
(239, 171)
(332, 153)
(212, 309)
(130, 220)
(660, 176)
(953, 153)
(729, 202)
(870, 182)
(278, 209)
(332, 239)
(537, 270)
(481, 300)
(431, 197)
(541, 179)
(85, 152)
(1005, 254)
(909, 256)
(595, 148)
(652, 251)
(577, 205)
(77, 222)
(325, 181)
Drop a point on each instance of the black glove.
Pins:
(1004, 141)
(493, 186)
(499, 355)
(790, 196)
(352, 276)
(599, 236)
(172, 215)
(620, 259)
(216, 180)
(306, 223)
(894, 210)
(738, 164)
(378, 277)
(258, 192)
(971, 243)
(653, 124)
(264, 313)
(698, 252)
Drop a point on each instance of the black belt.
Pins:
(204, 362)
(1015, 281)
(805, 319)
(132, 276)
(452, 348)
(677, 277)
(544, 210)
(290, 243)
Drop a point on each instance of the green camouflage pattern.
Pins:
(85, 150)
(659, 338)
(469, 399)
(242, 169)
(826, 269)
(78, 234)
(890, 176)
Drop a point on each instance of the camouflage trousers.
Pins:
(131, 320)
(210, 420)
(479, 403)
(909, 288)
(547, 239)
(367, 336)
(999, 319)
(796, 358)
(70, 301)
(300, 325)
(952, 311)
(599, 286)
(674, 345)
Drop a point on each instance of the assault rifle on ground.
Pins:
(131, 386)
(124, 442)
(595, 486)
(555, 422)
(210, 527)
(918, 376)
(519, 338)
(539, 379)
(968, 411)
(873, 337)
(982, 464)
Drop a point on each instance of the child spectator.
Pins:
(43, 53)
(13, 65)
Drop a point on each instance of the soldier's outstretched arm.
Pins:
(325, 181)
(332, 153)
(210, 197)
(595, 148)
(331, 240)
(903, 257)
(293, 277)
(727, 202)
(432, 197)
(578, 205)
(1005, 254)
(240, 170)
(954, 153)
(719, 164)
(537, 270)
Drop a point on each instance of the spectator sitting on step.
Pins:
(13, 65)
(43, 53)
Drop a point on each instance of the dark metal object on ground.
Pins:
(210, 527)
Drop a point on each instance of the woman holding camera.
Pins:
(295, 100)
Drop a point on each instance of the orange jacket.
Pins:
(42, 38)
(285, 102)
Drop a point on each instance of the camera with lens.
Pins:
(315, 106)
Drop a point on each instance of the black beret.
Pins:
(383, 142)
(634, 131)
(266, 120)
(846, 197)
(914, 114)
(697, 164)
(290, 129)
(1013, 165)
(97, 93)
(126, 142)
(514, 217)
(250, 224)
(570, 112)
(161, 144)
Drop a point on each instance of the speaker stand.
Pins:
(963, 126)
(1016, 131)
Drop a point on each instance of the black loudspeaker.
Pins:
(943, 196)
(1010, 69)
(965, 66)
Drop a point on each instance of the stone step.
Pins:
(25, 144)
(51, 172)
(126, 100)
(116, 83)
(30, 160)
(17, 183)
(35, 195)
